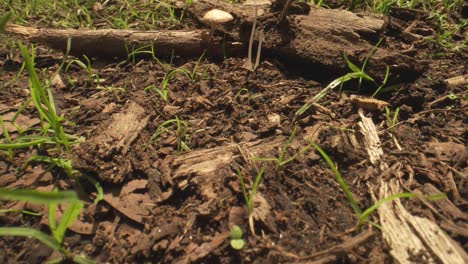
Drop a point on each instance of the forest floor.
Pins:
(169, 139)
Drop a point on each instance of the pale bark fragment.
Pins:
(412, 239)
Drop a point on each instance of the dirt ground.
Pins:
(173, 198)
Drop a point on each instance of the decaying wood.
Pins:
(317, 39)
(206, 171)
(111, 43)
(108, 151)
(412, 239)
(207, 168)
(371, 140)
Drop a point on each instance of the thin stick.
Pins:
(259, 49)
(252, 33)
(284, 11)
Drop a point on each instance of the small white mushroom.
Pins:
(215, 18)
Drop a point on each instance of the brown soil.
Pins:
(165, 205)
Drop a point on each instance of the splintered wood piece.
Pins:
(458, 80)
(368, 103)
(207, 168)
(371, 140)
(407, 235)
(410, 236)
(106, 153)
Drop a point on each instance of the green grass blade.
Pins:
(97, 186)
(326, 90)
(51, 211)
(244, 190)
(19, 145)
(371, 209)
(27, 212)
(256, 182)
(36, 87)
(65, 164)
(82, 260)
(286, 146)
(7, 138)
(38, 197)
(377, 91)
(30, 232)
(351, 65)
(42, 101)
(436, 197)
(368, 211)
(71, 213)
(4, 19)
(340, 180)
(265, 159)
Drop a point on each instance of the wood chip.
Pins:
(106, 154)
(367, 103)
(411, 237)
(457, 81)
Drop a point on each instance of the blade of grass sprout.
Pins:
(82, 260)
(4, 19)
(436, 197)
(97, 186)
(194, 72)
(302, 151)
(36, 88)
(326, 90)
(377, 91)
(256, 182)
(280, 159)
(27, 212)
(38, 197)
(163, 93)
(65, 164)
(65, 57)
(58, 260)
(359, 72)
(376, 205)
(69, 216)
(15, 78)
(40, 99)
(351, 65)
(373, 50)
(340, 180)
(29, 139)
(368, 211)
(30, 232)
(244, 190)
(51, 211)
(7, 138)
(365, 76)
(285, 148)
(266, 159)
(20, 110)
(395, 116)
(19, 145)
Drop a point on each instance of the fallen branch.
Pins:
(111, 43)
